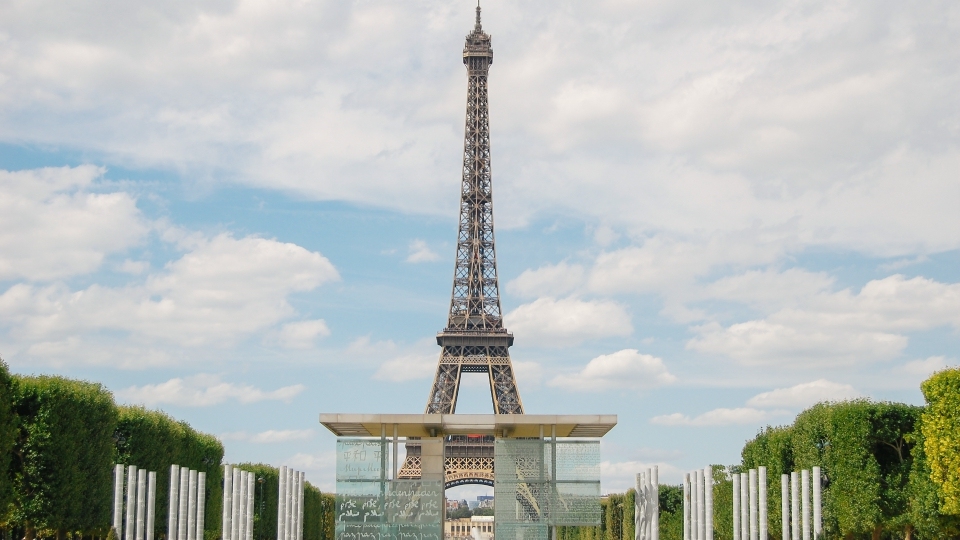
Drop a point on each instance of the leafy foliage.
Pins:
(63, 454)
(8, 426)
(153, 440)
(941, 435)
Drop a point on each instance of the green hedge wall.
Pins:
(153, 440)
(8, 430)
(63, 455)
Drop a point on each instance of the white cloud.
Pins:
(718, 417)
(552, 280)
(407, 367)
(302, 334)
(270, 436)
(619, 476)
(927, 366)
(803, 395)
(551, 322)
(421, 252)
(53, 225)
(221, 290)
(840, 328)
(626, 369)
(204, 391)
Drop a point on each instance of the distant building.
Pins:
(473, 528)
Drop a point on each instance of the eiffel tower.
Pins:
(474, 340)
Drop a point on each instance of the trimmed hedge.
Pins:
(8, 427)
(63, 456)
(941, 435)
(318, 507)
(153, 440)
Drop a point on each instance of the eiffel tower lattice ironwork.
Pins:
(474, 340)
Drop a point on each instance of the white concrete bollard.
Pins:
(251, 495)
(235, 531)
(173, 502)
(745, 506)
(708, 501)
(201, 503)
(752, 478)
(701, 506)
(192, 505)
(794, 506)
(226, 521)
(151, 504)
(639, 533)
(785, 506)
(281, 504)
(805, 504)
(736, 505)
(184, 503)
(242, 530)
(655, 504)
(686, 507)
(118, 499)
(294, 509)
(762, 501)
(817, 504)
(141, 504)
(303, 480)
(694, 513)
(130, 525)
(291, 486)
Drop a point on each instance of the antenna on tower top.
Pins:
(478, 15)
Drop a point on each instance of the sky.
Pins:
(709, 215)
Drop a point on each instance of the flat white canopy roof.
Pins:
(436, 425)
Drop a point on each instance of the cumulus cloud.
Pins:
(841, 328)
(804, 395)
(302, 334)
(626, 369)
(219, 291)
(407, 367)
(204, 391)
(421, 252)
(551, 280)
(551, 322)
(718, 417)
(270, 436)
(54, 224)
(619, 475)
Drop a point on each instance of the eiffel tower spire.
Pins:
(474, 339)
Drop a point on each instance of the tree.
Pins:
(8, 426)
(63, 455)
(941, 435)
(154, 441)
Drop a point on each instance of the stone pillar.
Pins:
(785, 506)
(141, 504)
(235, 531)
(242, 515)
(736, 506)
(303, 479)
(762, 501)
(281, 504)
(118, 500)
(655, 510)
(201, 502)
(192, 505)
(794, 506)
(701, 505)
(708, 501)
(639, 506)
(745, 506)
(694, 506)
(151, 504)
(226, 522)
(130, 525)
(173, 502)
(183, 511)
(686, 507)
(805, 503)
(295, 506)
(754, 531)
(817, 504)
(251, 494)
